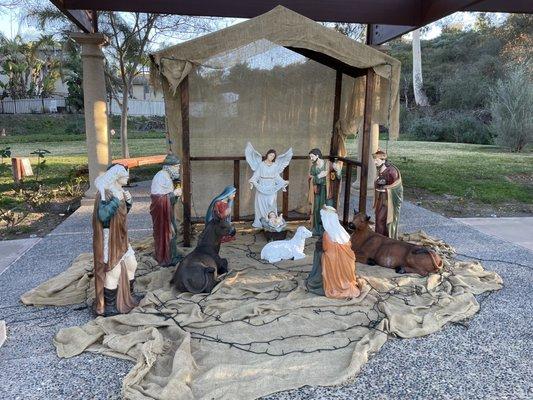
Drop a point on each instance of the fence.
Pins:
(41, 106)
(140, 107)
(31, 106)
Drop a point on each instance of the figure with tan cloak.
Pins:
(114, 258)
(333, 273)
(388, 196)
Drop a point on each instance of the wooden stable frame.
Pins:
(350, 163)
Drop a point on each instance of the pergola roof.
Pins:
(387, 18)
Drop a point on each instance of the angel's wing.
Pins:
(283, 160)
(253, 158)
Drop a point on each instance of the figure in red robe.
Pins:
(164, 195)
(388, 195)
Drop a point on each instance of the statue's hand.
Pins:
(251, 186)
(178, 192)
(127, 196)
(108, 195)
(323, 174)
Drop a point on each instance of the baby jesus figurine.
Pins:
(274, 223)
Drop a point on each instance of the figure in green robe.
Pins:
(322, 175)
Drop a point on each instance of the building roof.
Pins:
(388, 18)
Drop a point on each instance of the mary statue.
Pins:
(266, 180)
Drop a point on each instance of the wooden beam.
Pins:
(367, 125)
(333, 148)
(82, 18)
(232, 158)
(514, 6)
(237, 185)
(379, 34)
(347, 190)
(337, 101)
(433, 10)
(185, 161)
(329, 61)
(285, 195)
(397, 12)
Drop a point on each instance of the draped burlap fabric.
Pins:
(245, 84)
(260, 331)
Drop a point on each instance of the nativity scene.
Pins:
(273, 276)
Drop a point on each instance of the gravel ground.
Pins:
(489, 357)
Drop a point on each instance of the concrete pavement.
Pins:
(490, 356)
(11, 250)
(518, 230)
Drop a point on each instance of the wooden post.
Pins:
(367, 124)
(237, 184)
(333, 148)
(286, 194)
(347, 189)
(185, 162)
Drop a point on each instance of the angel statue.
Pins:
(266, 180)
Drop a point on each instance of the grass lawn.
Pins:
(484, 174)
(454, 179)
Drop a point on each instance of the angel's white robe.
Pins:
(267, 182)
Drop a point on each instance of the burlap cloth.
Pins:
(259, 332)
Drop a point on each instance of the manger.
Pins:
(279, 80)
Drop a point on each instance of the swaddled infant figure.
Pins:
(292, 249)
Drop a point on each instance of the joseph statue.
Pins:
(322, 175)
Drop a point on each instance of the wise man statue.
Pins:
(388, 195)
(165, 192)
(114, 258)
(322, 175)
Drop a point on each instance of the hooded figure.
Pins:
(227, 196)
(333, 273)
(164, 195)
(114, 258)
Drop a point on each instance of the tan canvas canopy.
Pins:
(291, 30)
(279, 80)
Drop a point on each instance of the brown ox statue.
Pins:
(372, 248)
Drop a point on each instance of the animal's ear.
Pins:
(367, 218)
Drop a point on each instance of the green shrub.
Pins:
(512, 112)
(446, 126)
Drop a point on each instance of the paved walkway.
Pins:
(490, 356)
(12, 250)
(517, 230)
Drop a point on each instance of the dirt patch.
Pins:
(37, 223)
(521, 179)
(459, 207)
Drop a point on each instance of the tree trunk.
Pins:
(420, 96)
(124, 125)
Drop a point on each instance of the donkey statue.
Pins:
(200, 270)
(372, 248)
